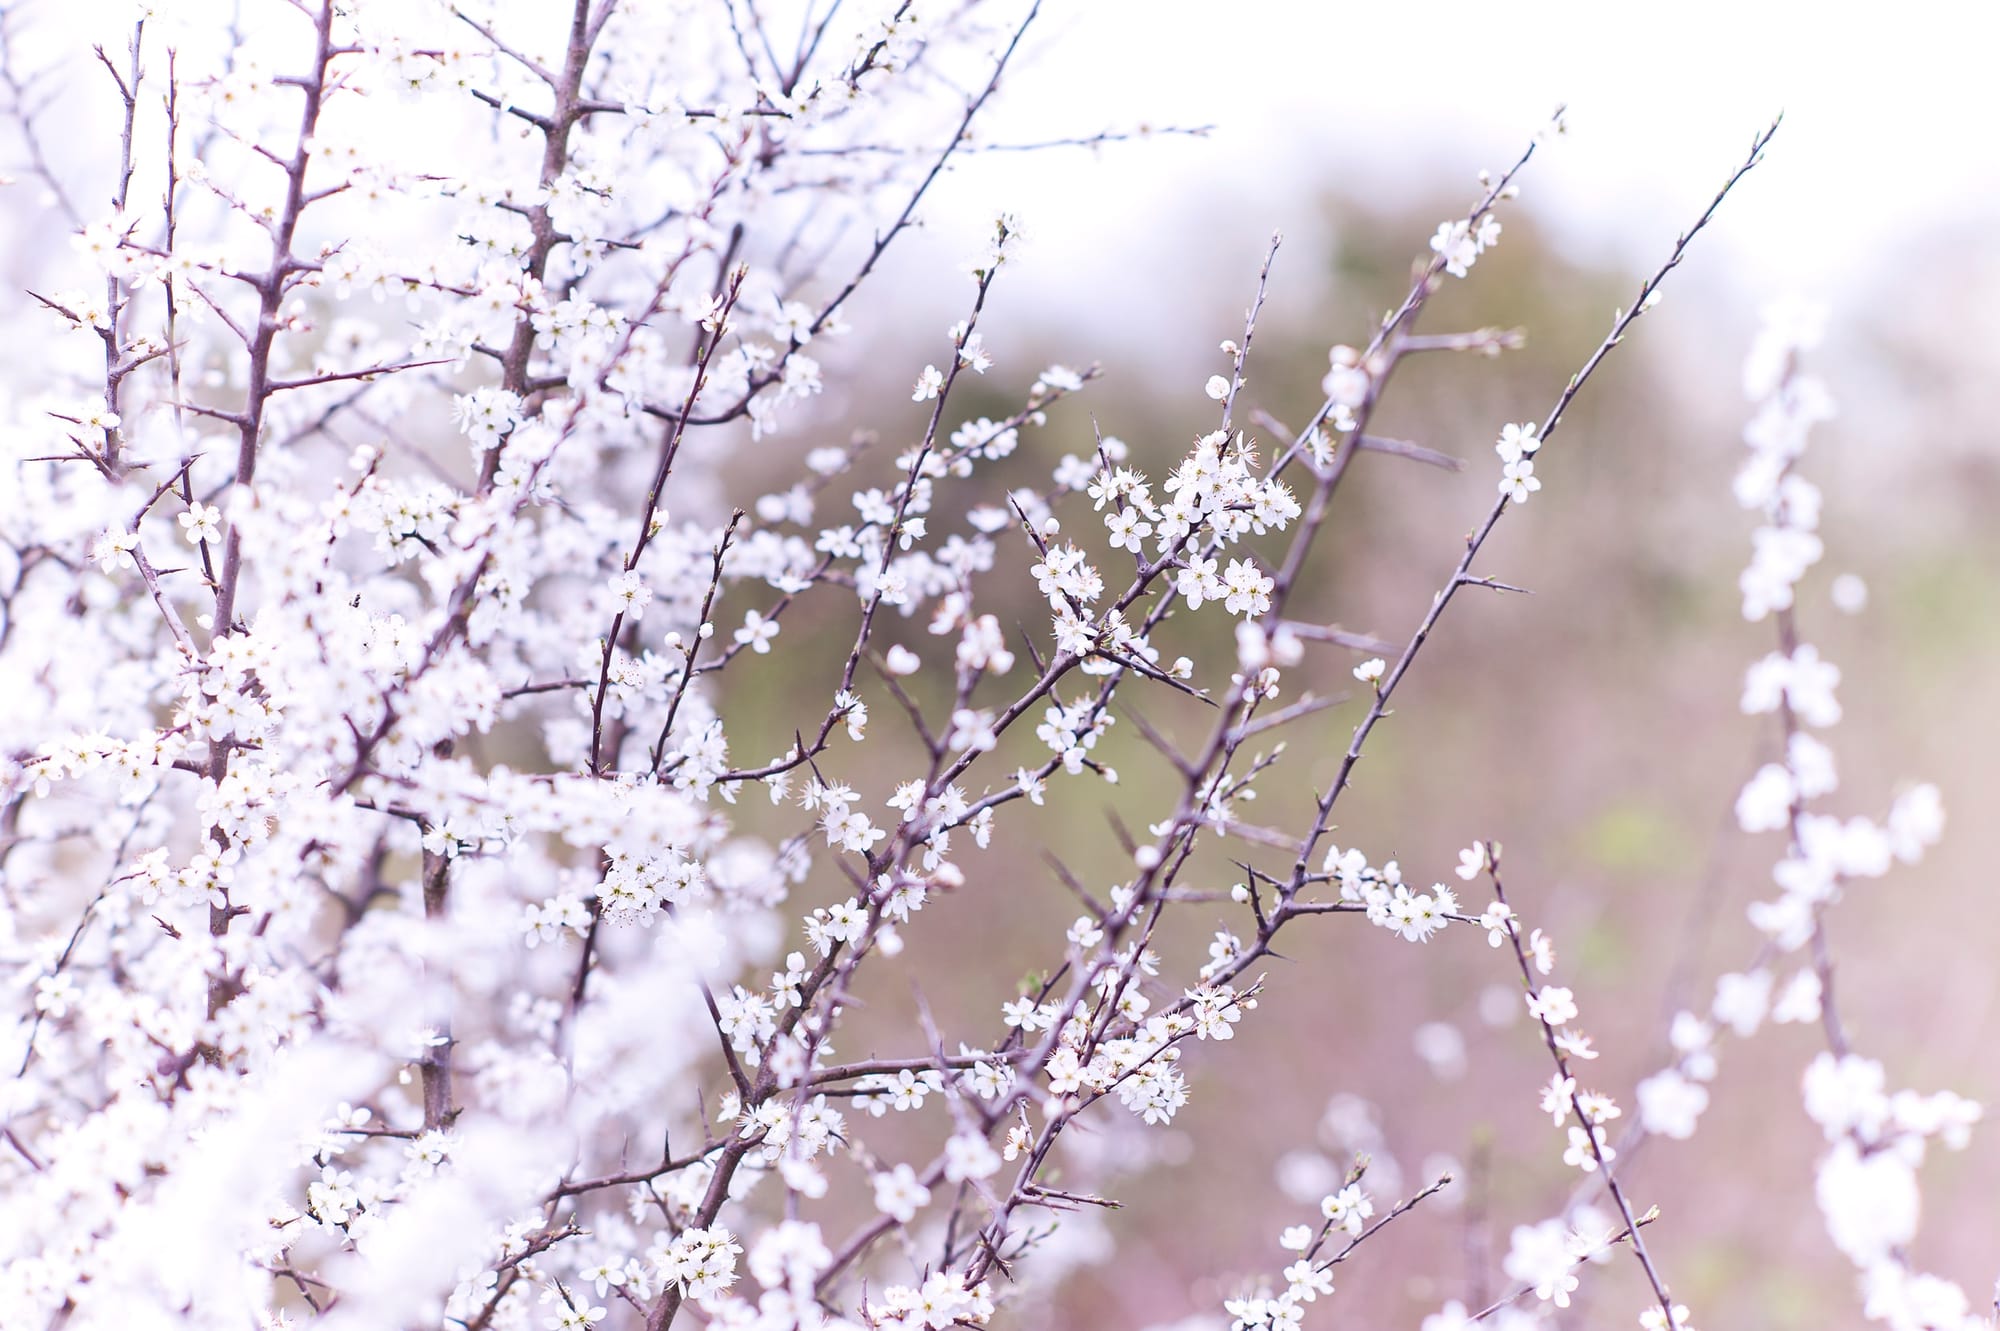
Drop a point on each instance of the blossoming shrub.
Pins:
(396, 935)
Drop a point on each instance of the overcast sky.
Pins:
(1889, 115)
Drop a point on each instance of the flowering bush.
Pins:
(398, 931)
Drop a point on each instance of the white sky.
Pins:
(1889, 122)
(1889, 130)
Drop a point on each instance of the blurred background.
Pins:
(1593, 726)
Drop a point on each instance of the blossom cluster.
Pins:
(1866, 1184)
(415, 915)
